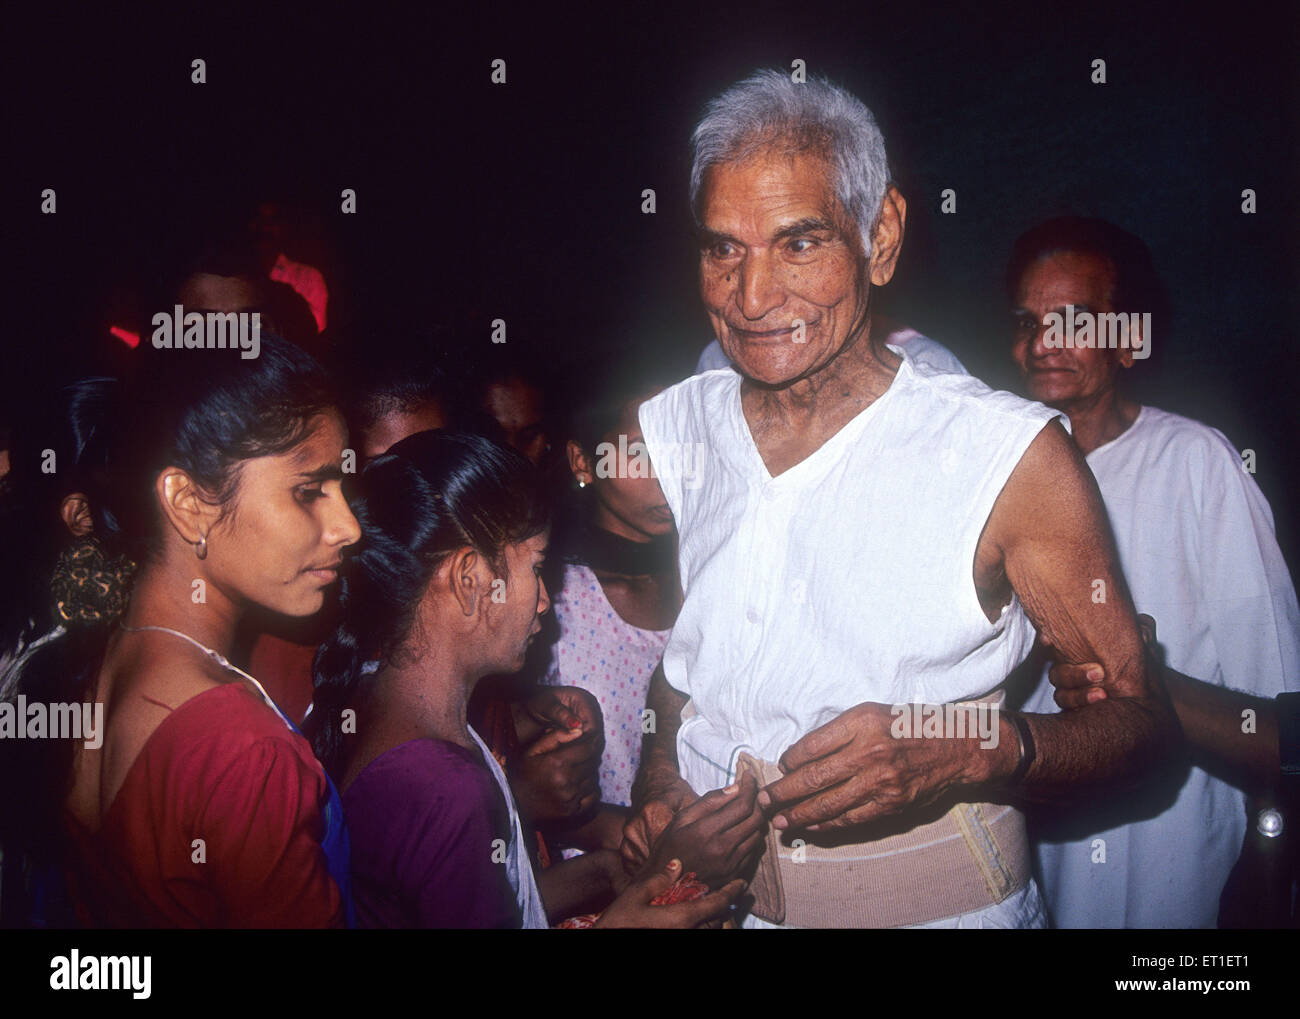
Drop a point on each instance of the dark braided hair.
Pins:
(430, 495)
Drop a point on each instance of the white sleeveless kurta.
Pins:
(849, 577)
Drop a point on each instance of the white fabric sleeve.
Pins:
(1247, 589)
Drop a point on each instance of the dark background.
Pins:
(478, 201)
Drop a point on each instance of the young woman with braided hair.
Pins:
(443, 589)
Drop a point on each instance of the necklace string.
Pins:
(217, 657)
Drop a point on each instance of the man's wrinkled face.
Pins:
(1063, 376)
(776, 250)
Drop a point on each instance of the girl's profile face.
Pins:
(280, 544)
(628, 503)
(515, 611)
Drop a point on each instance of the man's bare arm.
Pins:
(658, 766)
(1047, 540)
(1059, 557)
(659, 791)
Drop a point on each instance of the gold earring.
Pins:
(201, 546)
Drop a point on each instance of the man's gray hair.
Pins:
(768, 109)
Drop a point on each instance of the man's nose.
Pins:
(543, 598)
(760, 289)
(1038, 347)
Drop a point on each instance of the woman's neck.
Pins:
(612, 552)
(425, 699)
(167, 594)
(604, 520)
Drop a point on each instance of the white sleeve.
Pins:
(1245, 584)
(656, 421)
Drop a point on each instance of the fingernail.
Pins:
(730, 789)
(780, 822)
(764, 800)
(1096, 675)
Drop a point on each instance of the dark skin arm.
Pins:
(585, 884)
(659, 790)
(603, 830)
(1047, 540)
(1212, 717)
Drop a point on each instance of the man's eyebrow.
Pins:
(807, 225)
(707, 237)
(330, 472)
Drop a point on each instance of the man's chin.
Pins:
(1052, 396)
(774, 368)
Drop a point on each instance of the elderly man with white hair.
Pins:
(865, 543)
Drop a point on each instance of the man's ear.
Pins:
(1137, 338)
(184, 506)
(75, 511)
(579, 465)
(887, 237)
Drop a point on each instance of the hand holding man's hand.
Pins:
(656, 813)
(719, 836)
(1080, 685)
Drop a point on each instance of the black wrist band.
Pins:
(1027, 749)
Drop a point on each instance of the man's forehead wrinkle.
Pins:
(772, 209)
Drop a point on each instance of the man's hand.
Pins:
(852, 770)
(657, 811)
(719, 836)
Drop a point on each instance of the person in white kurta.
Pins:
(1197, 547)
(794, 610)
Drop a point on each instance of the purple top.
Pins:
(423, 818)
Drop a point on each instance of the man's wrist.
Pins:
(997, 765)
(654, 783)
(647, 781)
